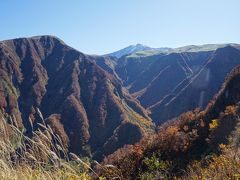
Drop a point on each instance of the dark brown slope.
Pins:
(85, 105)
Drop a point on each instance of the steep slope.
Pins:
(194, 136)
(200, 87)
(176, 81)
(86, 105)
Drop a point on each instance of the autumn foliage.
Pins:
(180, 144)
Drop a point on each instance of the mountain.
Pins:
(198, 88)
(182, 79)
(42, 77)
(102, 107)
(194, 145)
(138, 48)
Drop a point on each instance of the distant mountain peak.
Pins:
(129, 50)
(136, 48)
(141, 45)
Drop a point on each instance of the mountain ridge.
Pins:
(131, 49)
(43, 73)
(152, 79)
(182, 49)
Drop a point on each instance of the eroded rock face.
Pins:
(85, 105)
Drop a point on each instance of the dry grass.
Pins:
(41, 157)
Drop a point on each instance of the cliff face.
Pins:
(85, 105)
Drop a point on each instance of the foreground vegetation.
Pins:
(224, 166)
(41, 157)
(188, 148)
(167, 155)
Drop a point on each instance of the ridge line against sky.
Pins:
(100, 27)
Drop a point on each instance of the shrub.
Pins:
(153, 163)
(225, 166)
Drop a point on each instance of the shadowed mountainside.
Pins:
(168, 84)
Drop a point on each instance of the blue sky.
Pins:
(102, 26)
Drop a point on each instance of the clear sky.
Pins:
(103, 26)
